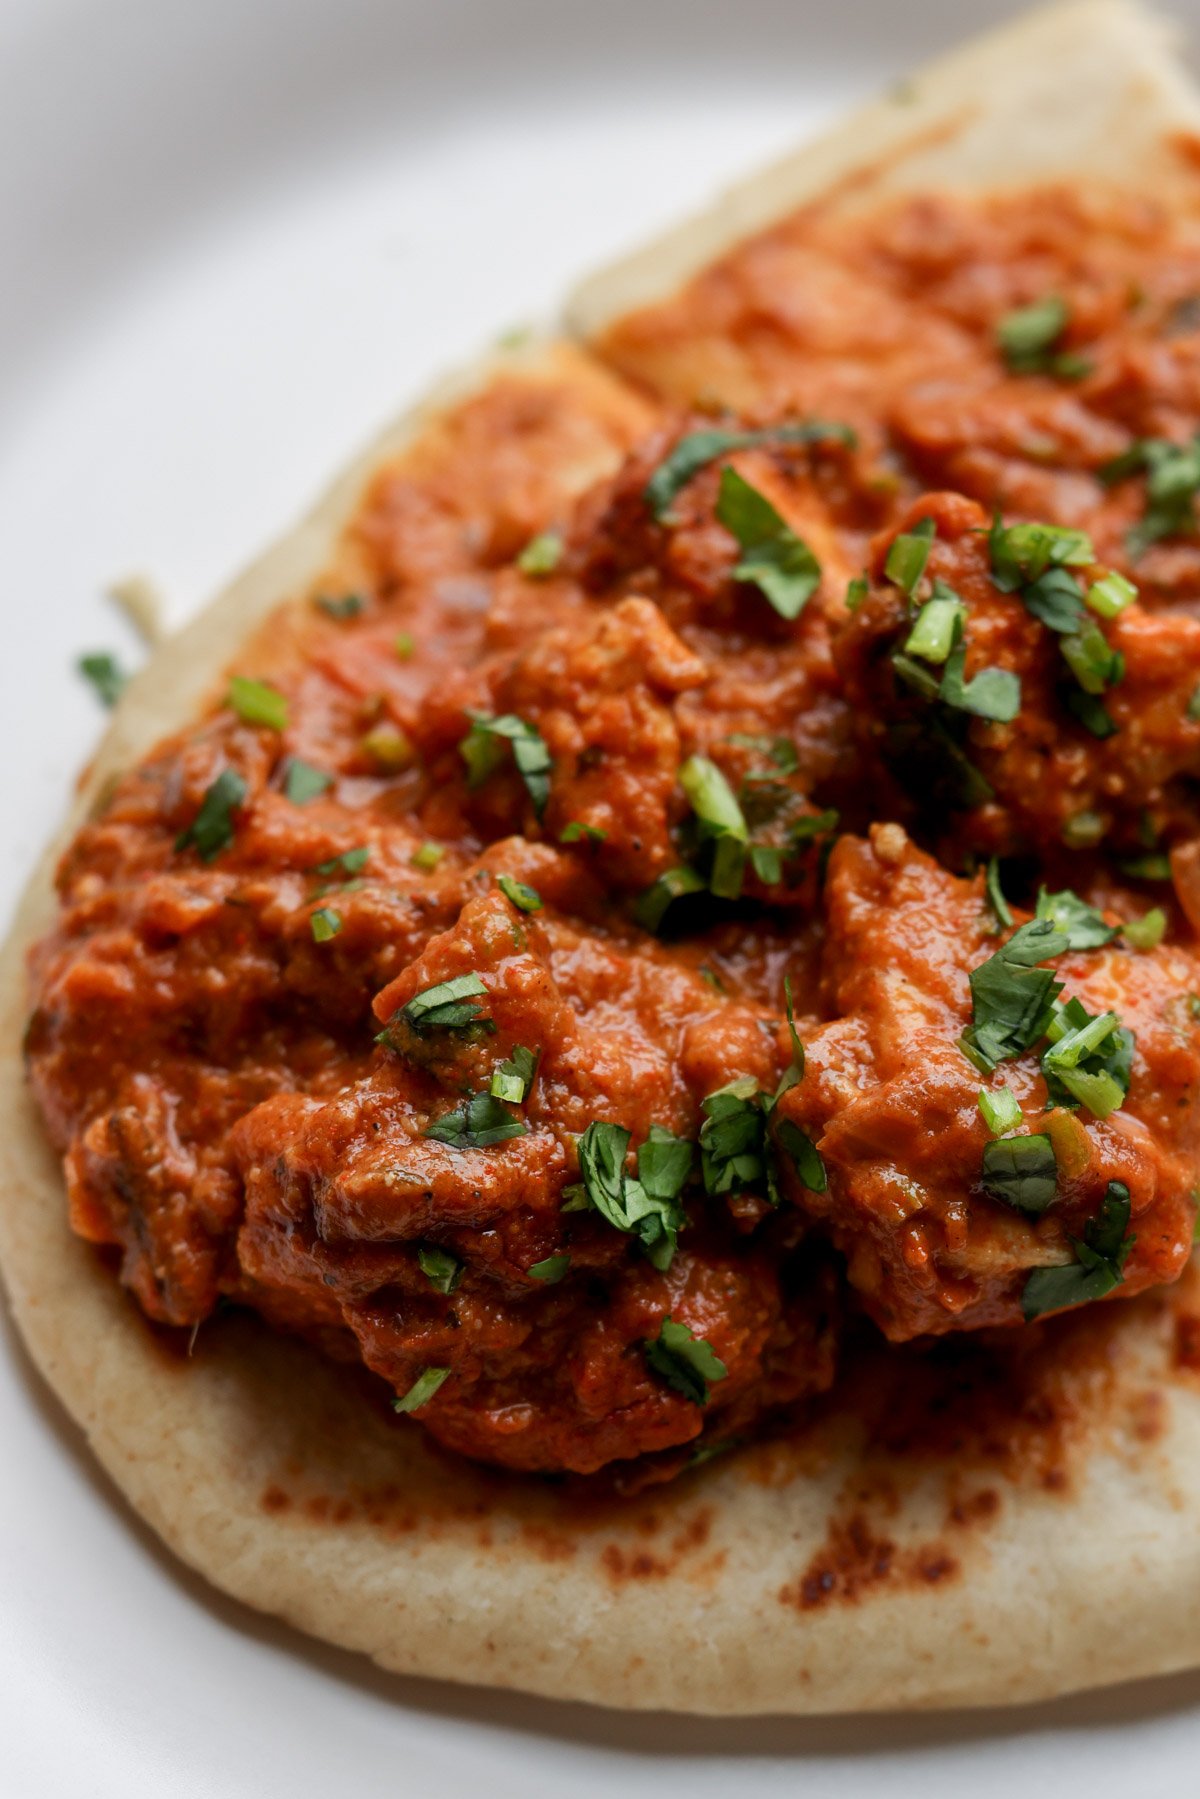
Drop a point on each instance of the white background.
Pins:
(236, 235)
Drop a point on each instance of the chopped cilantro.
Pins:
(1083, 830)
(482, 749)
(350, 862)
(541, 555)
(721, 822)
(1089, 1060)
(450, 1006)
(389, 748)
(422, 1390)
(908, 555)
(404, 645)
(733, 1138)
(1148, 931)
(653, 905)
(303, 782)
(1090, 712)
(804, 1155)
(994, 693)
(258, 703)
(780, 750)
(646, 1205)
(699, 448)
(525, 899)
(575, 831)
(212, 829)
(995, 894)
(1023, 553)
(774, 559)
(857, 589)
(427, 857)
(341, 606)
(1083, 926)
(1020, 1171)
(105, 674)
(1012, 996)
(476, 1123)
(1154, 867)
(1099, 1260)
(687, 1363)
(442, 1270)
(1110, 595)
(1028, 339)
(1172, 482)
(937, 626)
(325, 924)
(512, 1080)
(1001, 1110)
(551, 1270)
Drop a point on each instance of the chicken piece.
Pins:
(939, 1227)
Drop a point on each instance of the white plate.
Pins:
(238, 233)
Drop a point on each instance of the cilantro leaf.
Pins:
(1099, 1264)
(512, 1080)
(350, 862)
(442, 1270)
(449, 1006)
(1021, 1171)
(325, 924)
(212, 829)
(908, 554)
(646, 1206)
(525, 899)
(258, 703)
(687, 1363)
(477, 1123)
(774, 559)
(1083, 926)
(482, 749)
(105, 674)
(541, 555)
(1012, 997)
(422, 1390)
(695, 451)
(303, 782)
(551, 1270)
(1172, 482)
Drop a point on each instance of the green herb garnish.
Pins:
(1028, 339)
(512, 1079)
(525, 899)
(303, 782)
(1001, 1111)
(340, 606)
(646, 1205)
(1021, 1172)
(551, 1271)
(427, 857)
(687, 1363)
(576, 831)
(1012, 997)
(477, 1123)
(350, 862)
(450, 1006)
(442, 1270)
(1172, 482)
(422, 1390)
(699, 448)
(105, 674)
(212, 829)
(908, 554)
(483, 748)
(774, 559)
(325, 924)
(541, 555)
(1099, 1263)
(258, 703)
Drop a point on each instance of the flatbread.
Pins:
(1046, 1536)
